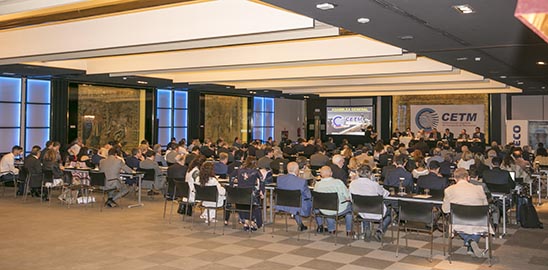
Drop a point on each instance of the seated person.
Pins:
(291, 181)
(249, 176)
(363, 185)
(34, 167)
(135, 158)
(433, 180)
(319, 158)
(8, 171)
(159, 178)
(497, 176)
(329, 184)
(207, 178)
(278, 159)
(393, 176)
(179, 169)
(338, 169)
(220, 168)
(465, 193)
(112, 166)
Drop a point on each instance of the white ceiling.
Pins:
(241, 43)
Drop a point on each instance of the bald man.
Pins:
(291, 181)
(328, 184)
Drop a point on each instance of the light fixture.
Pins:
(462, 58)
(464, 9)
(542, 63)
(477, 59)
(503, 77)
(544, 87)
(124, 78)
(407, 37)
(142, 82)
(519, 83)
(325, 6)
(363, 20)
(8, 73)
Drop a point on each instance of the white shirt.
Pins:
(366, 187)
(7, 164)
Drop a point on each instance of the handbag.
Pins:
(184, 210)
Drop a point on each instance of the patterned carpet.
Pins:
(40, 236)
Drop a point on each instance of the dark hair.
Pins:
(195, 148)
(496, 161)
(206, 171)
(542, 152)
(364, 170)
(238, 155)
(134, 151)
(250, 163)
(35, 150)
(114, 151)
(150, 153)
(401, 159)
(49, 143)
(50, 155)
(196, 162)
(434, 164)
(16, 147)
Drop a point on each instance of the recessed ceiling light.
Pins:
(325, 6)
(462, 58)
(503, 77)
(542, 63)
(477, 59)
(520, 83)
(544, 87)
(363, 20)
(8, 73)
(124, 78)
(142, 82)
(408, 37)
(464, 9)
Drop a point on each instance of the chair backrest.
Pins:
(237, 195)
(170, 187)
(416, 211)
(36, 180)
(367, 204)
(150, 174)
(325, 201)
(48, 175)
(498, 188)
(206, 193)
(181, 188)
(471, 215)
(23, 173)
(97, 179)
(290, 198)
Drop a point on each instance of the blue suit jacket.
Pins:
(292, 182)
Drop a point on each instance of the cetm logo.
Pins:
(427, 119)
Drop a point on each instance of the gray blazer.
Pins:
(112, 166)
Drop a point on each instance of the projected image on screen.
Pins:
(348, 120)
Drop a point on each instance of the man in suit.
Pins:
(433, 180)
(291, 181)
(178, 169)
(112, 166)
(393, 176)
(194, 152)
(135, 158)
(337, 168)
(497, 176)
(159, 178)
(206, 149)
(448, 135)
(465, 193)
(319, 158)
(220, 167)
(264, 162)
(434, 135)
(34, 168)
(479, 136)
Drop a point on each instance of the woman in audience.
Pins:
(249, 176)
(466, 160)
(207, 178)
(542, 157)
(509, 164)
(420, 170)
(304, 169)
(193, 174)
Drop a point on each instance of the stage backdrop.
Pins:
(453, 117)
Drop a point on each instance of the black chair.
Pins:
(288, 198)
(417, 213)
(326, 201)
(97, 180)
(470, 215)
(207, 194)
(179, 194)
(32, 180)
(170, 194)
(368, 205)
(238, 196)
(148, 179)
(16, 180)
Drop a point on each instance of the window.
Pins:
(10, 124)
(263, 118)
(38, 105)
(172, 115)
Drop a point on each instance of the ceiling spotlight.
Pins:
(142, 82)
(542, 63)
(124, 78)
(325, 6)
(464, 9)
(544, 87)
(462, 58)
(408, 37)
(363, 20)
(503, 77)
(477, 59)
(520, 83)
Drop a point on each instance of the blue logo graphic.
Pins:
(427, 119)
